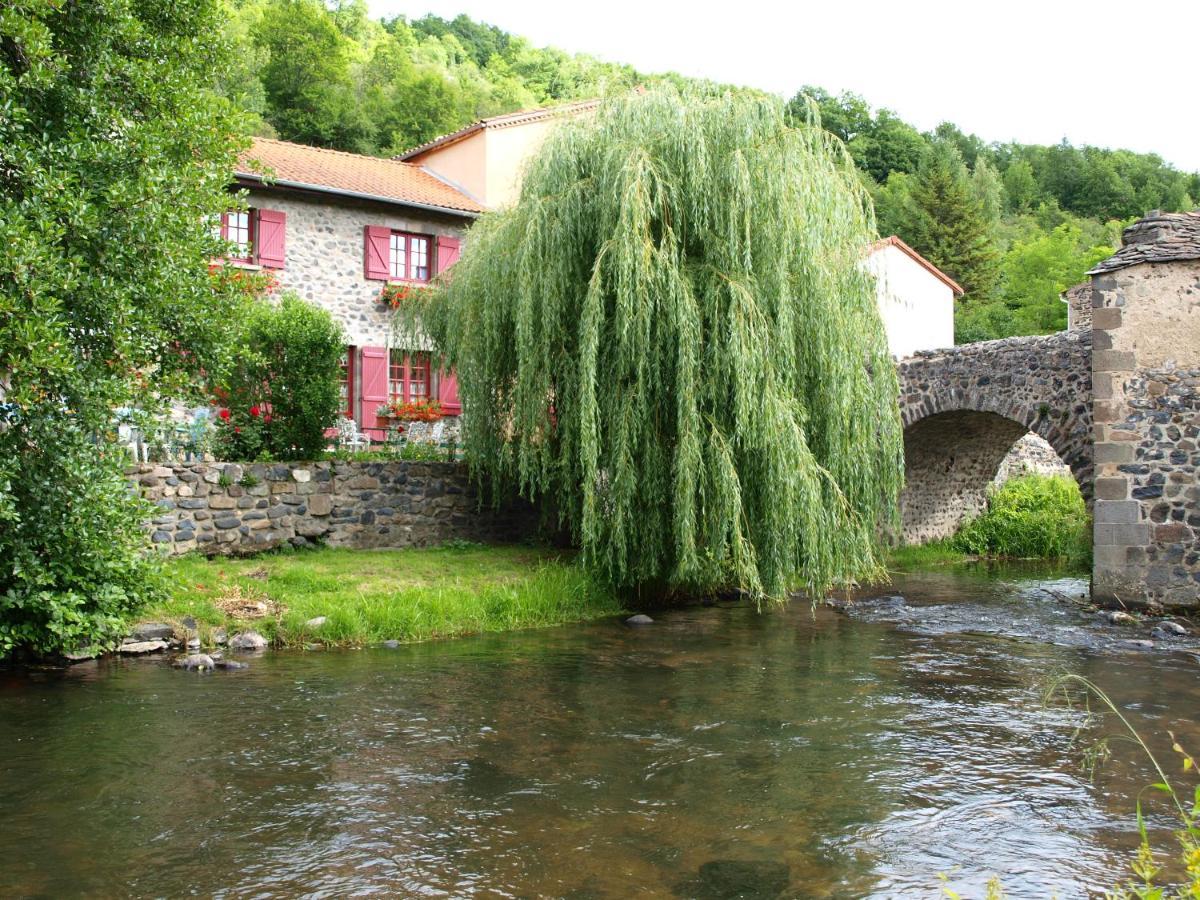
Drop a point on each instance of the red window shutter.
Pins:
(448, 250)
(448, 392)
(269, 234)
(374, 389)
(376, 252)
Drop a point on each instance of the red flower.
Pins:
(254, 411)
(267, 417)
(237, 429)
(224, 414)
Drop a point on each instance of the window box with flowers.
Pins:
(411, 411)
(396, 293)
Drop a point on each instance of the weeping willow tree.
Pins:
(671, 338)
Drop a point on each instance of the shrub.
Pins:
(1031, 516)
(71, 537)
(281, 389)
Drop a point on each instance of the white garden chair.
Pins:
(349, 437)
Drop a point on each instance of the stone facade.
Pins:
(1030, 455)
(1146, 316)
(1079, 307)
(230, 508)
(966, 407)
(324, 248)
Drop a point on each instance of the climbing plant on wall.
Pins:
(671, 338)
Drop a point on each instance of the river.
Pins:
(720, 752)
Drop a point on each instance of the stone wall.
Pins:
(1030, 455)
(1146, 317)
(324, 249)
(230, 508)
(965, 408)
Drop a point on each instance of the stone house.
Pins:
(336, 228)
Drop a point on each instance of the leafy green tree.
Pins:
(1020, 187)
(989, 191)
(307, 78)
(676, 346)
(116, 156)
(951, 227)
(281, 387)
(1036, 272)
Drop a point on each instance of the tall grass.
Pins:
(404, 595)
(1033, 516)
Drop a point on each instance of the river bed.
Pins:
(720, 752)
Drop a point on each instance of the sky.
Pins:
(1102, 73)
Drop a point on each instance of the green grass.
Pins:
(405, 595)
(909, 557)
(1031, 517)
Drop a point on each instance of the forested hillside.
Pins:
(1015, 224)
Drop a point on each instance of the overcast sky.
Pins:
(1097, 72)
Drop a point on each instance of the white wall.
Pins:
(916, 306)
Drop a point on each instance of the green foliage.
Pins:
(70, 536)
(951, 225)
(1030, 516)
(671, 338)
(114, 156)
(280, 390)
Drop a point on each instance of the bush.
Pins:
(1031, 516)
(281, 389)
(71, 538)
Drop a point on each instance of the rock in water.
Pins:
(151, 631)
(391, 645)
(231, 664)
(248, 641)
(196, 661)
(1169, 629)
(1117, 617)
(639, 619)
(139, 647)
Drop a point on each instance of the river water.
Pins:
(720, 752)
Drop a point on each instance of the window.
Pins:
(408, 257)
(408, 378)
(346, 383)
(235, 228)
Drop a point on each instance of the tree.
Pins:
(116, 158)
(281, 387)
(670, 338)
(1037, 271)
(950, 227)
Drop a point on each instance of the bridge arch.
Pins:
(964, 408)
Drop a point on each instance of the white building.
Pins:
(916, 298)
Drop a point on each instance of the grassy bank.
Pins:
(1030, 517)
(372, 596)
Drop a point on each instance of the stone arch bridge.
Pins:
(965, 407)
(1118, 399)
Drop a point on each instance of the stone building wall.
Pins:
(231, 508)
(324, 255)
(1146, 316)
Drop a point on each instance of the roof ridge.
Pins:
(334, 152)
(532, 114)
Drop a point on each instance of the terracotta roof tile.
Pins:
(350, 173)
